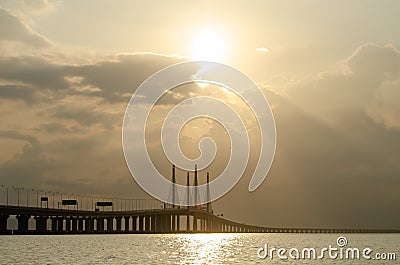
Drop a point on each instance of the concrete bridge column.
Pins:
(173, 223)
(150, 221)
(200, 222)
(194, 223)
(80, 224)
(41, 224)
(23, 223)
(146, 221)
(178, 223)
(213, 225)
(68, 224)
(100, 224)
(188, 222)
(74, 224)
(88, 225)
(141, 224)
(145, 224)
(60, 224)
(3, 223)
(53, 224)
(110, 224)
(126, 219)
(134, 221)
(168, 223)
(162, 223)
(158, 223)
(153, 223)
(118, 223)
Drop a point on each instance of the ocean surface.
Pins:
(196, 249)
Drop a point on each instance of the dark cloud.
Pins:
(53, 127)
(25, 93)
(113, 80)
(84, 115)
(34, 71)
(117, 79)
(18, 136)
(13, 29)
(25, 168)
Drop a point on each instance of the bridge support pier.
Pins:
(3, 223)
(134, 223)
(141, 223)
(74, 225)
(80, 224)
(41, 224)
(118, 223)
(158, 223)
(173, 224)
(194, 223)
(53, 224)
(188, 222)
(100, 225)
(60, 224)
(126, 219)
(110, 224)
(68, 224)
(147, 223)
(153, 223)
(23, 223)
(167, 223)
(89, 223)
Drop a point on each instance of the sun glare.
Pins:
(208, 45)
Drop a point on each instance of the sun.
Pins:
(208, 45)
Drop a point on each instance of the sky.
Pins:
(330, 71)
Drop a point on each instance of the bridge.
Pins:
(46, 212)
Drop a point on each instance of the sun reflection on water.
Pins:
(202, 248)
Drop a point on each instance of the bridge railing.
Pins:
(30, 197)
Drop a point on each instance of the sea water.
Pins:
(246, 248)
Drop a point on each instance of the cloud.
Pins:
(84, 115)
(113, 79)
(18, 136)
(367, 82)
(119, 77)
(14, 29)
(33, 71)
(385, 107)
(40, 5)
(262, 50)
(53, 127)
(25, 93)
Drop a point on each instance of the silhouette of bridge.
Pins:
(46, 212)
